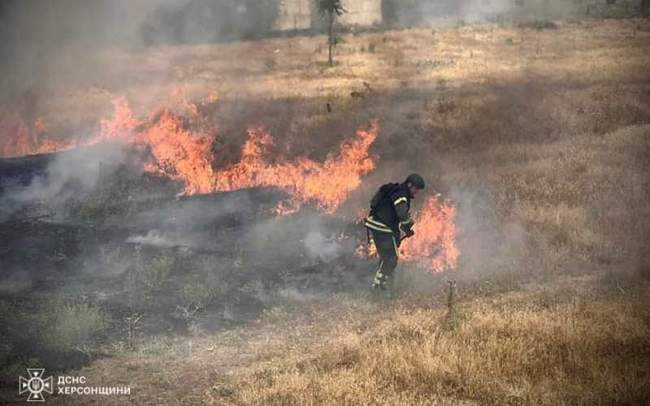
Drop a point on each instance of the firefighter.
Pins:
(389, 222)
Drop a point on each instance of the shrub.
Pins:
(57, 334)
(154, 274)
(144, 278)
(71, 327)
(198, 294)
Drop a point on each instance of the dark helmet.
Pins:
(415, 180)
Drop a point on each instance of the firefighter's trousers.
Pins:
(386, 245)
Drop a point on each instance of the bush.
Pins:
(144, 278)
(71, 327)
(54, 335)
(198, 294)
(154, 274)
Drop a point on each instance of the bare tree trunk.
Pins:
(331, 38)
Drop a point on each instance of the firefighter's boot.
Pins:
(380, 281)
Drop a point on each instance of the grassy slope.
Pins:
(552, 125)
(573, 340)
(536, 345)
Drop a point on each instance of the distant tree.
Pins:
(330, 9)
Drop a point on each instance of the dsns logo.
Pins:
(35, 385)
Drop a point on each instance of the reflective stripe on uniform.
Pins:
(376, 222)
(395, 246)
(399, 200)
(382, 229)
(409, 221)
(377, 225)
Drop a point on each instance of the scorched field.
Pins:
(187, 220)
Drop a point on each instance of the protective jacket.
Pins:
(389, 210)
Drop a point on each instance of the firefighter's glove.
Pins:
(406, 228)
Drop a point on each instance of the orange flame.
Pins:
(122, 124)
(434, 242)
(326, 184)
(19, 138)
(178, 153)
(186, 155)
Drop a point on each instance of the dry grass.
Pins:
(558, 346)
(542, 132)
(553, 123)
(582, 53)
(578, 340)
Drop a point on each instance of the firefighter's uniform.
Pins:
(389, 218)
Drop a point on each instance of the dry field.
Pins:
(541, 137)
(550, 125)
(558, 345)
(577, 340)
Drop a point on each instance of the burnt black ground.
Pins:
(56, 249)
